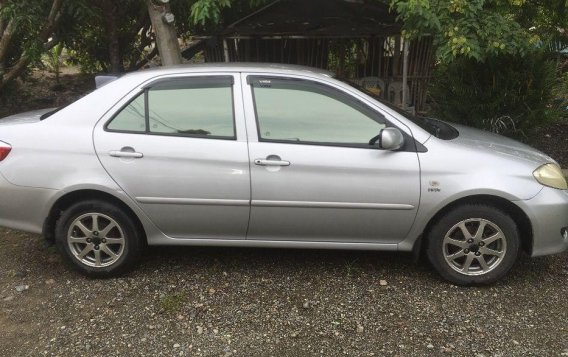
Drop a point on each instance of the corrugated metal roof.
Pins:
(317, 18)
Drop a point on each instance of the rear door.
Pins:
(314, 176)
(178, 148)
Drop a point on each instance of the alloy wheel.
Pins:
(96, 240)
(474, 246)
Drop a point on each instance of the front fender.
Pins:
(430, 208)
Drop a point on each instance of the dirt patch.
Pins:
(40, 90)
(553, 140)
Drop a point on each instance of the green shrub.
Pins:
(506, 94)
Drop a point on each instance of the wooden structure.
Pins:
(357, 39)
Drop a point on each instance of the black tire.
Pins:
(123, 230)
(449, 248)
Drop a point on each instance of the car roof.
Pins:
(237, 67)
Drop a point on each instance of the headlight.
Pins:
(551, 175)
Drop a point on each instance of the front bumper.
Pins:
(548, 213)
(23, 208)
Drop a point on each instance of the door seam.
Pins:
(242, 83)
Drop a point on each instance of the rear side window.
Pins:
(201, 107)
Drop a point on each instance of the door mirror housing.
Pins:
(390, 139)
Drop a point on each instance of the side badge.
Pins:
(434, 186)
(265, 83)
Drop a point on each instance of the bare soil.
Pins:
(553, 140)
(40, 90)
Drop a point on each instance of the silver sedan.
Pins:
(272, 156)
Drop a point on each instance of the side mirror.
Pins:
(390, 139)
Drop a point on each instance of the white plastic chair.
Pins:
(395, 94)
(372, 82)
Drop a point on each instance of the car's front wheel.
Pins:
(473, 244)
(98, 238)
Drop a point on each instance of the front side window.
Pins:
(197, 106)
(307, 112)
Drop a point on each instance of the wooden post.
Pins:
(405, 74)
(226, 50)
(166, 35)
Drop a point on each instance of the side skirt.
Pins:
(273, 244)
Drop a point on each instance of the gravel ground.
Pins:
(259, 302)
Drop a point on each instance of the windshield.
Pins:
(438, 128)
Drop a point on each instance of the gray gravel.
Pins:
(258, 302)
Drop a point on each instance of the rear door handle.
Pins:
(126, 151)
(268, 162)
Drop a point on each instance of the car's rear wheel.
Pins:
(98, 238)
(473, 244)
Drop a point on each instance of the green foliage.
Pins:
(561, 95)
(208, 10)
(474, 29)
(28, 18)
(53, 59)
(545, 19)
(88, 35)
(506, 93)
(205, 12)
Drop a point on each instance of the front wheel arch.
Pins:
(521, 219)
(70, 198)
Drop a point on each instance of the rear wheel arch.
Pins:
(516, 213)
(70, 198)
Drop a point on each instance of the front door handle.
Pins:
(271, 162)
(126, 151)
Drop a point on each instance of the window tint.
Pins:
(192, 108)
(197, 106)
(303, 111)
(131, 118)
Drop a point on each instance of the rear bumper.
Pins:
(548, 213)
(23, 208)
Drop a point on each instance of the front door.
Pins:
(178, 148)
(314, 175)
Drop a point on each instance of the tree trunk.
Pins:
(110, 15)
(114, 50)
(47, 30)
(5, 39)
(166, 35)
